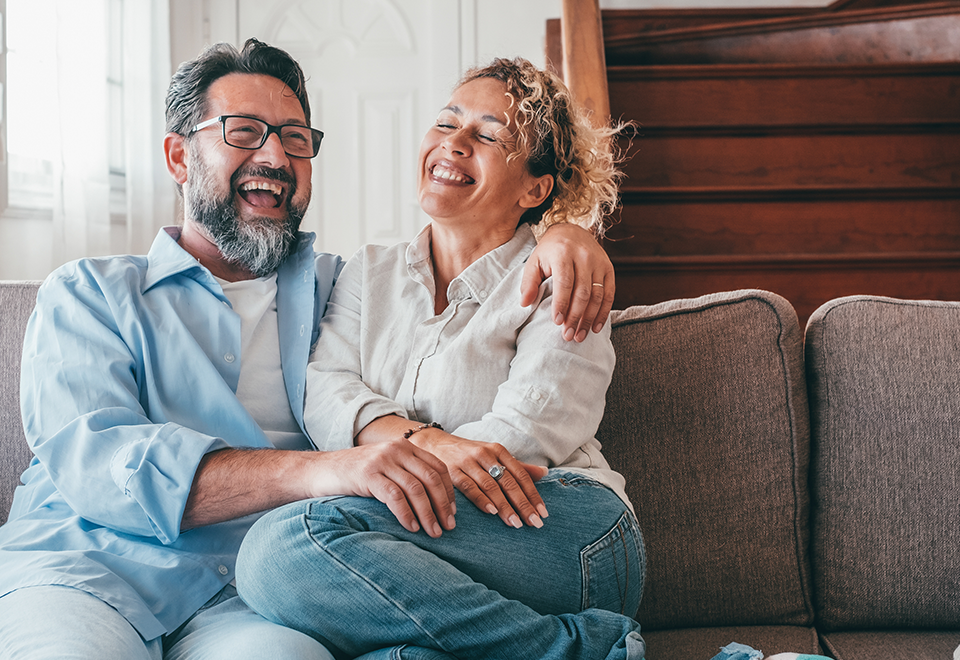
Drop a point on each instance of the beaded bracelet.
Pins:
(431, 425)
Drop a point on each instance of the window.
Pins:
(36, 115)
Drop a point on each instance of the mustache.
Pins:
(263, 172)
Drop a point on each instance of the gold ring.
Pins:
(598, 284)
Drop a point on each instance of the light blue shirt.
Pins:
(129, 377)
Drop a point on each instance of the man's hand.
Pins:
(583, 279)
(413, 483)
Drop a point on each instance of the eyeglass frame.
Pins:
(271, 129)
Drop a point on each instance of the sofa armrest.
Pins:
(17, 300)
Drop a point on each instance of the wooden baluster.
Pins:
(584, 66)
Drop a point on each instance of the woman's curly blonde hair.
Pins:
(559, 139)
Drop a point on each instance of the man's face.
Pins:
(249, 202)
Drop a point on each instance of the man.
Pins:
(162, 395)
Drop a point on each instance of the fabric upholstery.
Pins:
(706, 418)
(884, 379)
(930, 645)
(704, 643)
(17, 300)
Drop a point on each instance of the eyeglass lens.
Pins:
(250, 133)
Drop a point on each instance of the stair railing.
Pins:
(584, 64)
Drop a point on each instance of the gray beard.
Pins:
(258, 244)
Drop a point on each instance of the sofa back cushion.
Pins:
(17, 300)
(884, 377)
(707, 420)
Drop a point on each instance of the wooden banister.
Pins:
(584, 64)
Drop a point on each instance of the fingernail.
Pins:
(568, 334)
(451, 523)
(543, 511)
(559, 319)
(437, 531)
(535, 521)
(453, 507)
(491, 509)
(581, 335)
(598, 327)
(515, 521)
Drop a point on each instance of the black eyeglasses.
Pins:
(252, 133)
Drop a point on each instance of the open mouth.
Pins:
(446, 174)
(263, 194)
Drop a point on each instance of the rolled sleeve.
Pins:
(91, 419)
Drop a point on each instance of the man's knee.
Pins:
(230, 630)
(55, 622)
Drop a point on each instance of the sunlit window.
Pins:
(35, 121)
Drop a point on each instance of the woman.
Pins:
(427, 341)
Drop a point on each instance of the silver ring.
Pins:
(496, 472)
(598, 284)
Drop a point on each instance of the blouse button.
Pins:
(229, 357)
(223, 569)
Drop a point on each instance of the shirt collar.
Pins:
(166, 258)
(481, 277)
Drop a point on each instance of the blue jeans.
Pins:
(343, 570)
(56, 622)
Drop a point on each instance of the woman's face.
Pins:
(464, 173)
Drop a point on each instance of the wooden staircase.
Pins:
(810, 152)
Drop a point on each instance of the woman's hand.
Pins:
(513, 496)
(583, 279)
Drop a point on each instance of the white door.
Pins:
(377, 70)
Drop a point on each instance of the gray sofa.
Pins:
(797, 491)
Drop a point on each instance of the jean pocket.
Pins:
(614, 567)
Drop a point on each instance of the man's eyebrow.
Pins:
(457, 110)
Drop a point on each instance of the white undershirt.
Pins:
(261, 389)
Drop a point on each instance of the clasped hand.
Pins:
(513, 496)
(415, 478)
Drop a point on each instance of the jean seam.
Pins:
(363, 578)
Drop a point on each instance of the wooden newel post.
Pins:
(584, 64)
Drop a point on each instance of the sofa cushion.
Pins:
(707, 420)
(17, 300)
(927, 645)
(884, 377)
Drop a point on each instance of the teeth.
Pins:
(262, 185)
(443, 173)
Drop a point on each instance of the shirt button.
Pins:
(229, 357)
(223, 569)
